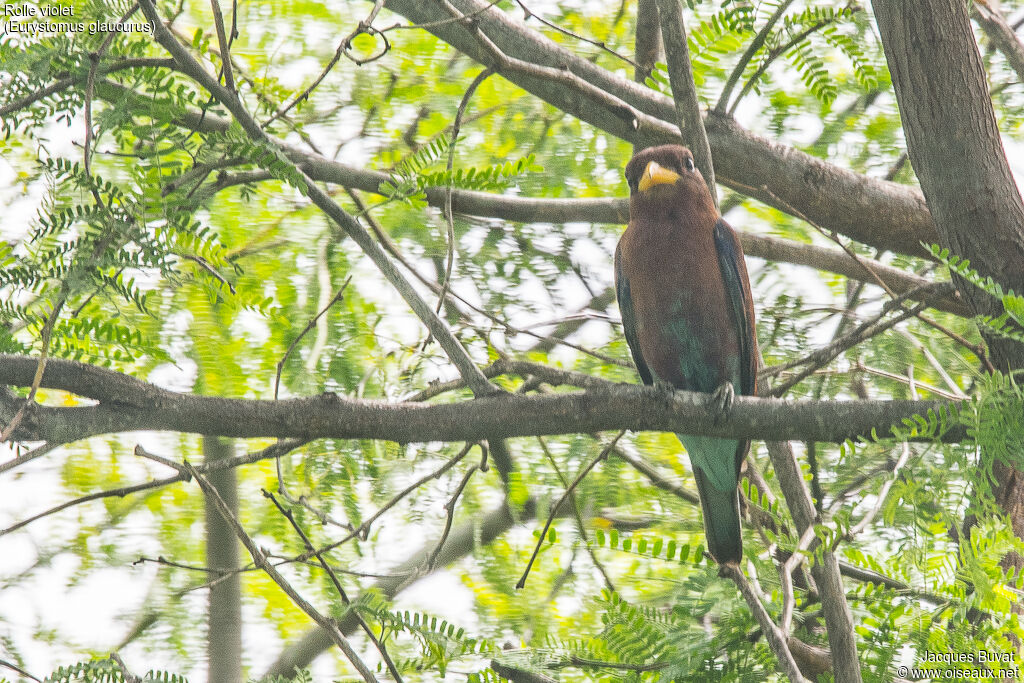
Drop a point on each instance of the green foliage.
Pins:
(106, 671)
(440, 642)
(1010, 324)
(412, 175)
(657, 548)
(167, 258)
(301, 676)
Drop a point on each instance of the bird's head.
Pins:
(666, 173)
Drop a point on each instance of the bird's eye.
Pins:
(689, 163)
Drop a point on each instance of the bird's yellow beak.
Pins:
(655, 174)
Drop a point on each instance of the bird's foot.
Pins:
(666, 390)
(729, 569)
(662, 385)
(721, 400)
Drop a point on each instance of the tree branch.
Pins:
(260, 559)
(1002, 35)
(549, 210)
(456, 353)
(776, 639)
(876, 212)
(137, 405)
(684, 90)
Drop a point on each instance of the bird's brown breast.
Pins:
(678, 297)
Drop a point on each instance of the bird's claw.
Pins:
(663, 387)
(722, 399)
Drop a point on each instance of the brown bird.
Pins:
(688, 316)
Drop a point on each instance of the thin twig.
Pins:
(17, 461)
(449, 219)
(776, 639)
(655, 477)
(364, 528)
(276, 450)
(883, 493)
(337, 584)
(260, 559)
(748, 54)
(774, 54)
(234, 23)
(222, 39)
(503, 64)
(210, 269)
(271, 452)
(126, 675)
(176, 565)
(956, 391)
(305, 330)
(94, 58)
(110, 493)
(554, 509)
(449, 516)
(824, 355)
(924, 386)
(14, 667)
(530, 14)
(580, 526)
(342, 49)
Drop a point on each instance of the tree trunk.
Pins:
(648, 39)
(224, 642)
(956, 151)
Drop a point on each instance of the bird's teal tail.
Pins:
(716, 466)
(721, 519)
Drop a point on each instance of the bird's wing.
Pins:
(629, 319)
(741, 305)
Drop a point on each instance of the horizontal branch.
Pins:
(876, 212)
(545, 210)
(127, 404)
(603, 210)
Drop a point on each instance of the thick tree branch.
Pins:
(684, 90)
(955, 146)
(876, 212)
(127, 404)
(1002, 35)
(606, 210)
(550, 210)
